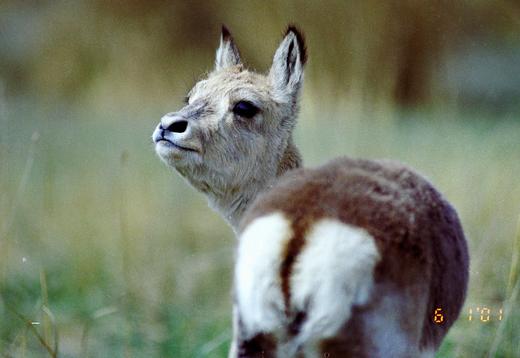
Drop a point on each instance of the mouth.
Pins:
(168, 143)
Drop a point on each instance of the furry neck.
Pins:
(291, 159)
(232, 204)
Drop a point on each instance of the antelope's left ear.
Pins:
(227, 52)
(287, 69)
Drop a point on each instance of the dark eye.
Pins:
(186, 99)
(245, 109)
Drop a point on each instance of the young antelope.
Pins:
(356, 258)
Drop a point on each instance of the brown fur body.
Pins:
(418, 234)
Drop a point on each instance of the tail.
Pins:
(298, 287)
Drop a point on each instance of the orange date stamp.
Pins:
(481, 314)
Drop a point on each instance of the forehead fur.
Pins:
(234, 81)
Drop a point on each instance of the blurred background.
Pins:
(104, 252)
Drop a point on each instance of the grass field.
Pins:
(104, 252)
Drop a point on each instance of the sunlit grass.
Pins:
(114, 255)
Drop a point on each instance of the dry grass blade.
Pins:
(100, 313)
(513, 288)
(30, 325)
(45, 303)
(514, 273)
(210, 346)
(52, 320)
(508, 309)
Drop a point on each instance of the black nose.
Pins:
(178, 126)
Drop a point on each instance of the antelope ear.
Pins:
(227, 52)
(289, 59)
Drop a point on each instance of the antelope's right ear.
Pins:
(287, 70)
(227, 53)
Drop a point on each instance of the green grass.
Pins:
(113, 255)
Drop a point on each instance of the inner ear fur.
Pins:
(289, 59)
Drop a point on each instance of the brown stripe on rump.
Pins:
(291, 251)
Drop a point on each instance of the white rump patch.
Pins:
(257, 285)
(333, 273)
